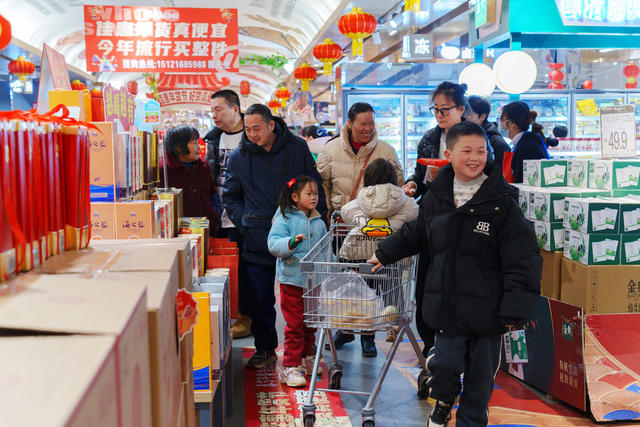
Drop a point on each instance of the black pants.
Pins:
(425, 332)
(245, 298)
(263, 325)
(479, 359)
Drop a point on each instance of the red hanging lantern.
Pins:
(274, 104)
(556, 76)
(305, 73)
(245, 88)
(631, 72)
(5, 32)
(21, 68)
(327, 52)
(96, 92)
(132, 87)
(357, 25)
(78, 85)
(587, 84)
(283, 95)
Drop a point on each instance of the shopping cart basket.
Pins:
(388, 303)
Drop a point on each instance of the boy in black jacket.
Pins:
(483, 275)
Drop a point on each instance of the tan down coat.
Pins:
(340, 167)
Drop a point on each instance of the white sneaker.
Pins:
(308, 364)
(292, 377)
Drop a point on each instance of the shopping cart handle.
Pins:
(365, 268)
(306, 266)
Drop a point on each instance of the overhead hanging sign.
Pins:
(119, 104)
(615, 13)
(154, 39)
(187, 96)
(618, 131)
(417, 46)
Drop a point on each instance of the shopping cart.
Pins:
(389, 304)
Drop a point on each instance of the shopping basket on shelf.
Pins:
(344, 294)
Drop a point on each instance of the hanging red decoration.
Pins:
(5, 32)
(587, 84)
(357, 25)
(274, 104)
(305, 73)
(245, 88)
(96, 92)
(327, 52)
(283, 95)
(132, 87)
(78, 85)
(21, 68)
(556, 76)
(631, 72)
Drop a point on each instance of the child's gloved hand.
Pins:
(295, 241)
(299, 238)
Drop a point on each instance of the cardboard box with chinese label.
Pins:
(626, 174)
(74, 305)
(61, 380)
(106, 156)
(600, 174)
(550, 235)
(550, 282)
(103, 220)
(592, 215)
(545, 173)
(592, 249)
(578, 173)
(601, 289)
(77, 101)
(524, 194)
(547, 204)
(136, 220)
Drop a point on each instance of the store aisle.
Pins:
(398, 395)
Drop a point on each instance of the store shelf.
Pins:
(420, 119)
(552, 119)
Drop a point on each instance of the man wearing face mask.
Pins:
(341, 164)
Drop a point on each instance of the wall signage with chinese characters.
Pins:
(185, 96)
(417, 46)
(616, 13)
(119, 104)
(153, 39)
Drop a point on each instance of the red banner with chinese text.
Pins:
(184, 96)
(153, 39)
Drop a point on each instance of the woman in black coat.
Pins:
(516, 119)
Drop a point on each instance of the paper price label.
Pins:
(618, 131)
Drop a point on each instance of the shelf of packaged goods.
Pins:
(419, 119)
(587, 118)
(551, 119)
(594, 154)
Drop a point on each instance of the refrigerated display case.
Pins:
(586, 110)
(552, 109)
(419, 120)
(634, 98)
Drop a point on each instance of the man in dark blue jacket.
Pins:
(268, 157)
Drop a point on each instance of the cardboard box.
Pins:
(189, 405)
(550, 282)
(547, 204)
(58, 381)
(182, 419)
(626, 174)
(592, 249)
(523, 198)
(138, 248)
(105, 152)
(600, 174)
(592, 215)
(217, 338)
(92, 307)
(77, 101)
(578, 173)
(136, 220)
(103, 220)
(198, 225)
(601, 289)
(202, 357)
(545, 173)
(164, 360)
(630, 249)
(531, 174)
(629, 215)
(550, 235)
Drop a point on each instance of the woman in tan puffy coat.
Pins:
(342, 161)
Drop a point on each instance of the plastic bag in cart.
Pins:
(347, 301)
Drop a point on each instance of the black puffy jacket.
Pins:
(484, 265)
(253, 184)
(496, 140)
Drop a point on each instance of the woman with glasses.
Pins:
(516, 118)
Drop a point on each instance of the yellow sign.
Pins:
(412, 5)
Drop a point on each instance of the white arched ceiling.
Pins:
(266, 27)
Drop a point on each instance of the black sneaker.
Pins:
(440, 415)
(339, 340)
(368, 345)
(262, 358)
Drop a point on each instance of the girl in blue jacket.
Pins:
(297, 227)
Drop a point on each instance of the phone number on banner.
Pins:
(151, 63)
